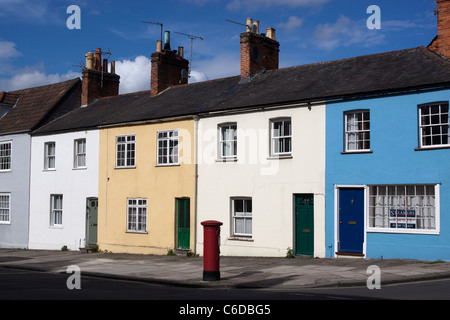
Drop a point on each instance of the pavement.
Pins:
(235, 272)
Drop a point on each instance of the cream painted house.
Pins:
(147, 188)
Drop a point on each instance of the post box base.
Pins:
(211, 275)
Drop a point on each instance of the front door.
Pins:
(351, 220)
(304, 224)
(92, 218)
(183, 223)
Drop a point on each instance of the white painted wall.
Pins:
(270, 183)
(76, 185)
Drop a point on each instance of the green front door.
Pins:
(92, 220)
(304, 224)
(183, 223)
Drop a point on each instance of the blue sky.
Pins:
(37, 48)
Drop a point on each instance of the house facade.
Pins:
(387, 182)
(64, 190)
(147, 188)
(262, 175)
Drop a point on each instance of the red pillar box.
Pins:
(211, 250)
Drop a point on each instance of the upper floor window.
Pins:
(357, 131)
(49, 155)
(79, 153)
(433, 126)
(5, 156)
(228, 141)
(5, 208)
(125, 151)
(281, 137)
(168, 147)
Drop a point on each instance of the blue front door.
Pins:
(351, 220)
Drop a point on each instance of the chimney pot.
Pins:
(249, 24)
(181, 52)
(113, 67)
(167, 40)
(159, 46)
(98, 61)
(256, 26)
(105, 65)
(89, 60)
(271, 33)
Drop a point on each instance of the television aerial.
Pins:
(192, 45)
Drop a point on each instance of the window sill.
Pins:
(80, 168)
(136, 232)
(168, 165)
(402, 231)
(119, 168)
(56, 227)
(280, 157)
(357, 152)
(431, 148)
(5, 222)
(49, 170)
(1, 171)
(237, 238)
(226, 160)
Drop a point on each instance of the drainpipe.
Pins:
(196, 118)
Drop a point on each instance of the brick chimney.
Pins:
(258, 51)
(441, 43)
(169, 68)
(97, 82)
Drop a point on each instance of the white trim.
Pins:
(168, 147)
(125, 166)
(10, 156)
(9, 208)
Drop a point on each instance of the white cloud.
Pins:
(8, 50)
(344, 33)
(34, 78)
(134, 74)
(292, 24)
(255, 4)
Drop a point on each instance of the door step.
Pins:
(341, 254)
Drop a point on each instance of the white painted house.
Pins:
(64, 190)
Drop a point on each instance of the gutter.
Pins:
(196, 120)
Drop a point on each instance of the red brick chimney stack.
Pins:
(97, 82)
(258, 51)
(441, 44)
(169, 68)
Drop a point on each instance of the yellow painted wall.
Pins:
(160, 185)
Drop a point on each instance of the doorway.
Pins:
(351, 221)
(91, 221)
(183, 218)
(304, 224)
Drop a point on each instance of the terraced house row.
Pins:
(340, 158)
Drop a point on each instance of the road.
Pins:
(18, 284)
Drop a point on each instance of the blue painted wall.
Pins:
(394, 136)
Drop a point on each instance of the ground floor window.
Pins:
(56, 209)
(241, 212)
(404, 207)
(137, 215)
(5, 207)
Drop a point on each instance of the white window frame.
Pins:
(139, 205)
(48, 157)
(56, 214)
(356, 131)
(401, 207)
(129, 152)
(439, 120)
(6, 207)
(246, 216)
(79, 154)
(230, 141)
(168, 147)
(276, 141)
(5, 159)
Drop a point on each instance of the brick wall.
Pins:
(97, 84)
(441, 43)
(258, 52)
(166, 71)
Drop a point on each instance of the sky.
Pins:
(38, 44)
